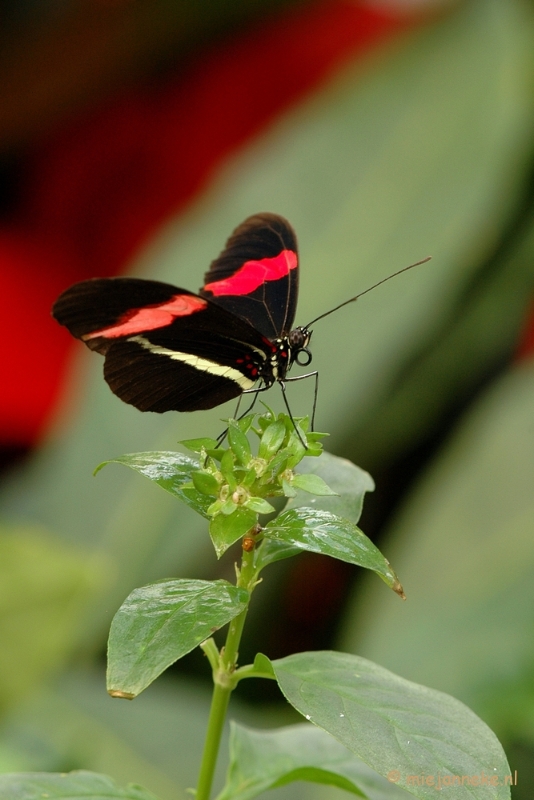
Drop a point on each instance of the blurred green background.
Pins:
(423, 147)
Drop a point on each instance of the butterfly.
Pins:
(169, 349)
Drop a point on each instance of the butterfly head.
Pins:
(298, 340)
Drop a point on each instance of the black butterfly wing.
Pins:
(166, 348)
(100, 303)
(256, 275)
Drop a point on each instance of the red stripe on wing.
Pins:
(151, 317)
(253, 273)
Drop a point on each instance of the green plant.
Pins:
(373, 732)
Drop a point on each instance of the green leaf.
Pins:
(288, 489)
(248, 478)
(314, 448)
(313, 484)
(397, 727)
(261, 668)
(215, 508)
(197, 445)
(245, 423)
(262, 760)
(160, 623)
(272, 439)
(217, 453)
(348, 481)
(263, 423)
(172, 471)
(277, 465)
(263, 664)
(206, 483)
(225, 530)
(295, 447)
(239, 444)
(267, 417)
(229, 506)
(227, 467)
(271, 550)
(315, 436)
(323, 532)
(259, 505)
(67, 785)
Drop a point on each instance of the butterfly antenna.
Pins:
(352, 299)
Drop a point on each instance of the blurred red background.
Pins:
(95, 182)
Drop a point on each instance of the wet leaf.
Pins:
(395, 726)
(158, 624)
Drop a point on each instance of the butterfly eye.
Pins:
(303, 357)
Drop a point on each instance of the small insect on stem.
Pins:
(251, 539)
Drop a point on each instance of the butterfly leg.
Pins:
(283, 387)
(314, 374)
(251, 406)
(255, 392)
(222, 436)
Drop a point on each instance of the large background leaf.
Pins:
(72, 785)
(392, 724)
(261, 760)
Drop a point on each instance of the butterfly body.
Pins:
(166, 348)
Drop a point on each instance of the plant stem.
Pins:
(223, 686)
(219, 704)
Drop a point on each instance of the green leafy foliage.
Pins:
(158, 624)
(67, 785)
(263, 760)
(237, 483)
(229, 485)
(242, 481)
(45, 585)
(395, 726)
